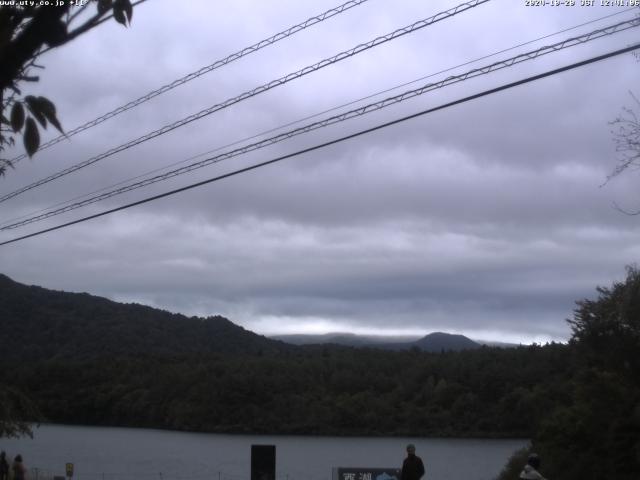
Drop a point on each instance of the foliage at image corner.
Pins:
(594, 432)
(26, 32)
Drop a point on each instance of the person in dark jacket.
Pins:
(4, 466)
(412, 467)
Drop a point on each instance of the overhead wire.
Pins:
(256, 91)
(198, 73)
(309, 117)
(530, 55)
(335, 141)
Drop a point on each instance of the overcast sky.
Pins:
(488, 219)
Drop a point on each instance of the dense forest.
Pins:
(579, 403)
(326, 390)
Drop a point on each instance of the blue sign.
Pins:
(368, 473)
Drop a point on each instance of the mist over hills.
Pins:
(41, 324)
(434, 342)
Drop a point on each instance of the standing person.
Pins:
(412, 467)
(19, 470)
(4, 466)
(530, 471)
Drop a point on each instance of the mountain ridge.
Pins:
(433, 342)
(41, 324)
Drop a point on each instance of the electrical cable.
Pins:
(335, 141)
(263, 88)
(531, 55)
(198, 73)
(309, 117)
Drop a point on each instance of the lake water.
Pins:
(102, 453)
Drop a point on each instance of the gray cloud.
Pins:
(487, 218)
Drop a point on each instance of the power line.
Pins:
(198, 73)
(531, 55)
(335, 141)
(309, 117)
(261, 89)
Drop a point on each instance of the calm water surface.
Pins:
(101, 453)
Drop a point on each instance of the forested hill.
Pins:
(40, 324)
(82, 359)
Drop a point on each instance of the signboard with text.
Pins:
(352, 473)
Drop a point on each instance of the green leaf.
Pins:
(128, 10)
(35, 107)
(119, 16)
(122, 11)
(48, 109)
(17, 117)
(104, 6)
(31, 137)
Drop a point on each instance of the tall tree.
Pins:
(626, 136)
(599, 428)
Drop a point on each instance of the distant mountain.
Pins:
(40, 324)
(434, 342)
(346, 339)
(439, 341)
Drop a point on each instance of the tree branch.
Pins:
(27, 44)
(86, 27)
(78, 12)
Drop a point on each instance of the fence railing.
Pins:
(37, 473)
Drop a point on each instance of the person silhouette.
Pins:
(412, 466)
(4, 466)
(19, 470)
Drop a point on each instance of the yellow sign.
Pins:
(69, 468)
